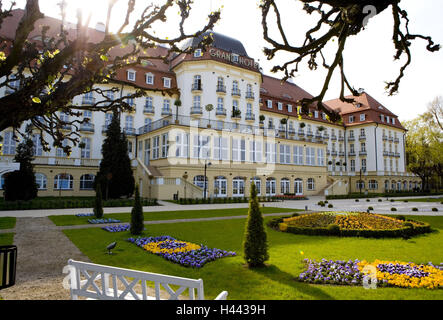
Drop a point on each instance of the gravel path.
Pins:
(43, 251)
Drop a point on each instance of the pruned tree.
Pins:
(337, 20)
(44, 72)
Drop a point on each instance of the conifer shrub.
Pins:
(137, 217)
(98, 204)
(255, 240)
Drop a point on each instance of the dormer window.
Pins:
(131, 75)
(234, 58)
(393, 121)
(382, 118)
(167, 82)
(315, 114)
(149, 78)
(362, 117)
(269, 103)
(358, 105)
(280, 106)
(289, 108)
(198, 53)
(351, 119)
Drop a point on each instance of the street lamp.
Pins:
(205, 179)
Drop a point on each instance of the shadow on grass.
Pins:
(274, 273)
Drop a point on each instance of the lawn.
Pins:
(68, 220)
(277, 281)
(6, 239)
(7, 223)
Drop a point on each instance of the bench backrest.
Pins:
(101, 282)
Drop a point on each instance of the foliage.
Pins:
(255, 240)
(137, 217)
(69, 63)
(98, 208)
(115, 174)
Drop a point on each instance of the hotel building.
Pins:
(235, 124)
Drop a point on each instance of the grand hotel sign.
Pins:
(233, 58)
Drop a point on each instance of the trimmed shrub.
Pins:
(98, 205)
(380, 200)
(330, 205)
(414, 209)
(137, 217)
(393, 209)
(255, 240)
(334, 229)
(367, 200)
(434, 209)
(402, 218)
(370, 208)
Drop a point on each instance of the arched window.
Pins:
(387, 185)
(405, 185)
(373, 185)
(298, 187)
(41, 181)
(311, 184)
(63, 181)
(199, 181)
(285, 186)
(238, 187)
(257, 182)
(87, 182)
(393, 185)
(220, 187)
(270, 187)
(360, 185)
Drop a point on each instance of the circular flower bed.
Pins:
(353, 224)
(388, 273)
(184, 253)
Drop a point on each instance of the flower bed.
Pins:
(84, 215)
(350, 224)
(388, 273)
(103, 221)
(119, 228)
(181, 252)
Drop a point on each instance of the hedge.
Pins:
(380, 195)
(187, 201)
(412, 228)
(66, 203)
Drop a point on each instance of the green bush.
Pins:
(414, 209)
(98, 207)
(370, 208)
(393, 209)
(356, 200)
(334, 229)
(137, 218)
(402, 218)
(380, 200)
(367, 200)
(330, 205)
(434, 209)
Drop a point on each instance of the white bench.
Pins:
(100, 282)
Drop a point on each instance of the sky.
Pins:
(369, 61)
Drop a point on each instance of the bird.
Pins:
(111, 246)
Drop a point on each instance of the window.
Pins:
(165, 145)
(269, 104)
(249, 109)
(131, 75)
(156, 147)
(363, 165)
(220, 186)
(166, 105)
(352, 165)
(2, 181)
(108, 119)
(149, 103)
(393, 121)
(321, 157)
(196, 104)
(198, 53)
(86, 150)
(351, 148)
(285, 154)
(280, 106)
(60, 151)
(63, 182)
(37, 147)
(351, 119)
(363, 132)
(182, 145)
(87, 182)
(382, 118)
(221, 148)
(238, 150)
(289, 108)
(197, 84)
(41, 181)
(373, 185)
(270, 187)
(310, 156)
(220, 82)
(147, 151)
(238, 187)
(255, 151)
(201, 182)
(285, 185)
(298, 155)
(220, 104)
(234, 58)
(315, 114)
(362, 117)
(271, 153)
(166, 82)
(311, 184)
(129, 122)
(201, 147)
(363, 147)
(323, 116)
(149, 78)
(257, 182)
(360, 185)
(249, 88)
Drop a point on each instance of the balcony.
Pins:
(87, 127)
(310, 134)
(67, 127)
(385, 138)
(334, 137)
(352, 153)
(221, 89)
(391, 154)
(196, 87)
(166, 112)
(326, 136)
(362, 138)
(250, 95)
(236, 115)
(301, 133)
(391, 139)
(236, 92)
(341, 138)
(291, 131)
(196, 111)
(250, 117)
(363, 153)
(148, 109)
(220, 112)
(351, 138)
(397, 155)
(396, 140)
(129, 131)
(385, 153)
(318, 136)
(328, 153)
(334, 153)
(341, 154)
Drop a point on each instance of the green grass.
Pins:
(68, 220)
(277, 281)
(423, 200)
(7, 223)
(6, 239)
